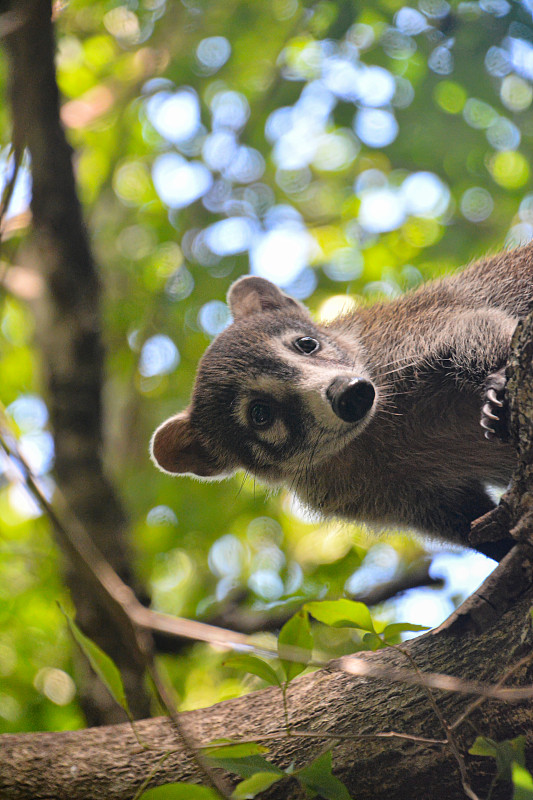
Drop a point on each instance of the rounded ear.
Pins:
(251, 295)
(175, 448)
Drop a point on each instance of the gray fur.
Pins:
(418, 458)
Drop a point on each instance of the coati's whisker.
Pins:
(404, 367)
(243, 481)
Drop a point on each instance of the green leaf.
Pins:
(295, 633)
(104, 667)
(252, 786)
(235, 750)
(518, 745)
(522, 782)
(372, 641)
(483, 747)
(180, 791)
(256, 666)
(399, 627)
(341, 614)
(506, 753)
(247, 766)
(318, 777)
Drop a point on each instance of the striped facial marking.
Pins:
(261, 396)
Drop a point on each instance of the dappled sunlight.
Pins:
(378, 566)
(345, 152)
(281, 254)
(179, 182)
(212, 53)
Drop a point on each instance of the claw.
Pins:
(491, 395)
(487, 411)
(490, 435)
(486, 426)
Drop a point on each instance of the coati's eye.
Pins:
(261, 414)
(307, 345)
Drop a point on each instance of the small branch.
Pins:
(212, 779)
(140, 622)
(118, 598)
(450, 736)
(523, 662)
(355, 665)
(345, 737)
(246, 620)
(325, 706)
(415, 576)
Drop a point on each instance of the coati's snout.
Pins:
(351, 398)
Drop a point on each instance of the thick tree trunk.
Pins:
(109, 764)
(68, 330)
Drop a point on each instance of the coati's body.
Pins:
(380, 423)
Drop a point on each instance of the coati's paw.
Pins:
(495, 413)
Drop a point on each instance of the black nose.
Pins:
(351, 398)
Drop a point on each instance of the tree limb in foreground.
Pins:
(488, 639)
(109, 764)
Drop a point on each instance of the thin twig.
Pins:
(355, 665)
(151, 775)
(119, 599)
(140, 620)
(211, 777)
(347, 737)
(450, 736)
(480, 700)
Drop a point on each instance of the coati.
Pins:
(373, 417)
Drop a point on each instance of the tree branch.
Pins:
(493, 628)
(328, 704)
(109, 763)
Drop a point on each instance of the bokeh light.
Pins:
(281, 254)
(176, 116)
(178, 181)
(212, 53)
(476, 204)
(213, 317)
(29, 412)
(159, 355)
(375, 127)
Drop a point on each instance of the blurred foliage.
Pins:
(343, 148)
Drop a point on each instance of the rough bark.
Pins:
(69, 335)
(482, 641)
(485, 640)
(109, 764)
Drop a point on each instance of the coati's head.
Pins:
(274, 392)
